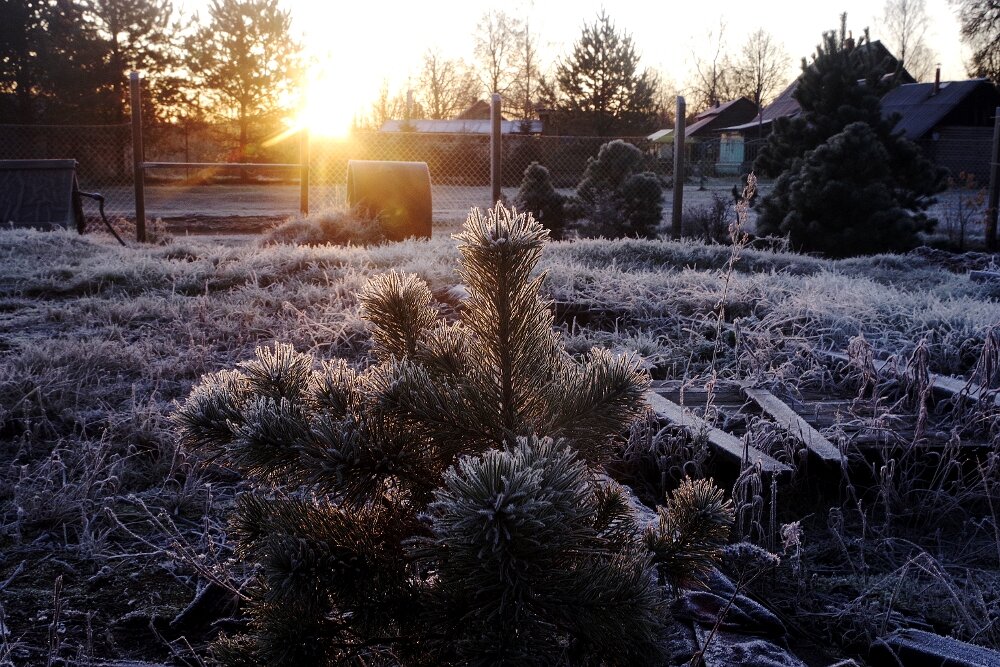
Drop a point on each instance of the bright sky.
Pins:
(360, 43)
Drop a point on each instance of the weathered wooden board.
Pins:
(917, 647)
(795, 425)
(985, 276)
(942, 383)
(724, 394)
(721, 441)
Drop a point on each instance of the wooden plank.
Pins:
(693, 394)
(949, 386)
(791, 422)
(721, 441)
(917, 647)
(984, 276)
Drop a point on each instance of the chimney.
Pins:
(937, 81)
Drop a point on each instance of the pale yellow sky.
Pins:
(362, 42)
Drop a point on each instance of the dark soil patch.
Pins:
(958, 262)
(208, 224)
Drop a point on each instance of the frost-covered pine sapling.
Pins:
(383, 499)
(693, 528)
(537, 564)
(502, 371)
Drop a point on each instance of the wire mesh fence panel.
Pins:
(965, 152)
(459, 166)
(103, 154)
(206, 192)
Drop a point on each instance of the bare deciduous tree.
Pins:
(712, 80)
(386, 106)
(905, 24)
(980, 21)
(496, 50)
(762, 68)
(446, 87)
(524, 90)
(665, 98)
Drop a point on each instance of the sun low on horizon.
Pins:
(329, 109)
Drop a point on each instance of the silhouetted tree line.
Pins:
(67, 62)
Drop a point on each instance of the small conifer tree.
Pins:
(843, 84)
(616, 196)
(840, 201)
(439, 506)
(849, 184)
(538, 196)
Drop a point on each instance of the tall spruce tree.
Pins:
(50, 64)
(840, 96)
(441, 506)
(135, 35)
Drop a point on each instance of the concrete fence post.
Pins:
(678, 206)
(994, 195)
(495, 148)
(138, 171)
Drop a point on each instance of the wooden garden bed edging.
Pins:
(794, 425)
(725, 443)
(949, 386)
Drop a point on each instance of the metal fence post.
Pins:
(137, 157)
(304, 171)
(495, 149)
(994, 195)
(678, 207)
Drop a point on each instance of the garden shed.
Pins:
(707, 125)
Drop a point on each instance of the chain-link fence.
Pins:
(103, 154)
(962, 150)
(459, 166)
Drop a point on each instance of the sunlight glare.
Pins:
(328, 110)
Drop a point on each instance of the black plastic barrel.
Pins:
(399, 193)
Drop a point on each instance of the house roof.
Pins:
(709, 119)
(727, 112)
(461, 126)
(786, 106)
(478, 110)
(920, 109)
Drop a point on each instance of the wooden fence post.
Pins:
(678, 207)
(495, 148)
(993, 204)
(138, 171)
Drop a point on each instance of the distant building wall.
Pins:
(961, 149)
